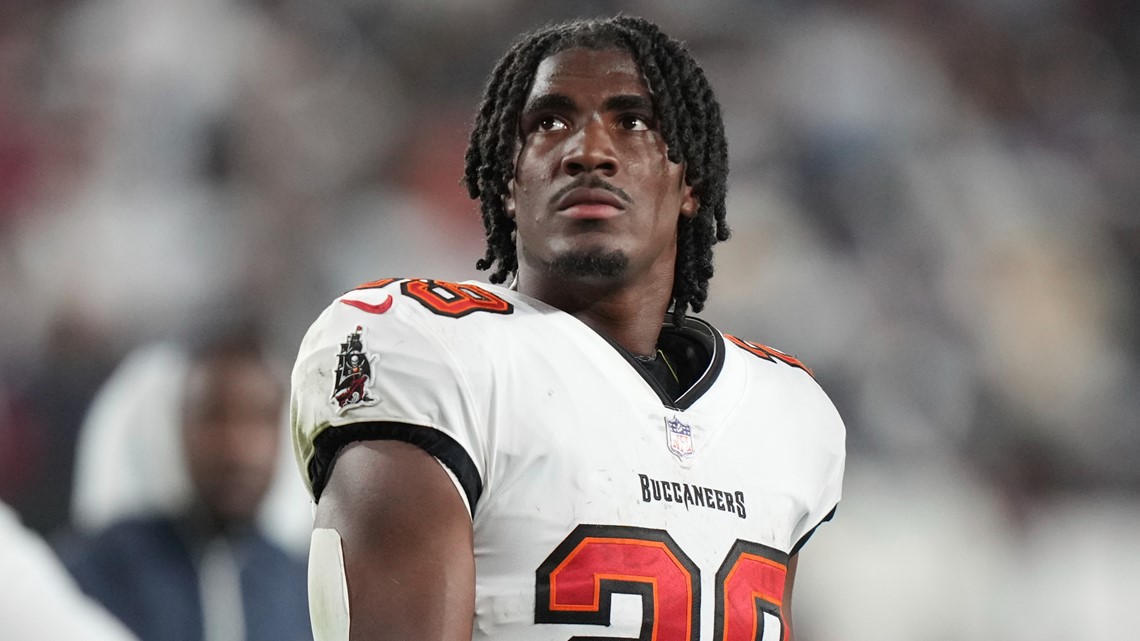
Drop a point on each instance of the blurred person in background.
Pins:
(208, 571)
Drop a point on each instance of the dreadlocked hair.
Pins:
(690, 122)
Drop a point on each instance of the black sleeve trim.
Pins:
(329, 442)
(804, 539)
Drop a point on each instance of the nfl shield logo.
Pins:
(680, 437)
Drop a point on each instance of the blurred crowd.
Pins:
(935, 204)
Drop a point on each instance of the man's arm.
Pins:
(407, 541)
(786, 604)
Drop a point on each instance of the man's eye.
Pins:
(633, 122)
(550, 123)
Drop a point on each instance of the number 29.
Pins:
(575, 584)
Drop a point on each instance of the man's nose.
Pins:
(590, 149)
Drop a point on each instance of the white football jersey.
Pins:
(600, 507)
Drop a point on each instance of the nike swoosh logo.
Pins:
(368, 307)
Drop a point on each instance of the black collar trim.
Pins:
(699, 331)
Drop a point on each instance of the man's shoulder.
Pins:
(431, 303)
(410, 351)
(791, 386)
(468, 320)
(764, 355)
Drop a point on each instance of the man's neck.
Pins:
(629, 314)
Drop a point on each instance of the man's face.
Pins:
(594, 195)
(231, 432)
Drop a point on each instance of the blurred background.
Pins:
(934, 204)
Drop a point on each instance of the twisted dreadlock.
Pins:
(690, 124)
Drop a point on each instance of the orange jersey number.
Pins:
(575, 584)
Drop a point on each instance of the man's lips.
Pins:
(586, 203)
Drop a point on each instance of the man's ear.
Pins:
(690, 202)
(509, 199)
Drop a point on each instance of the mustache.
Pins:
(590, 181)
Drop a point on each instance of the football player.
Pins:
(571, 455)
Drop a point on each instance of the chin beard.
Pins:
(594, 263)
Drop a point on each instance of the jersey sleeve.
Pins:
(818, 434)
(829, 435)
(375, 366)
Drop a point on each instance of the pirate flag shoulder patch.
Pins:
(353, 375)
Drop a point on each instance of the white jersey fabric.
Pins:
(595, 500)
(39, 600)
